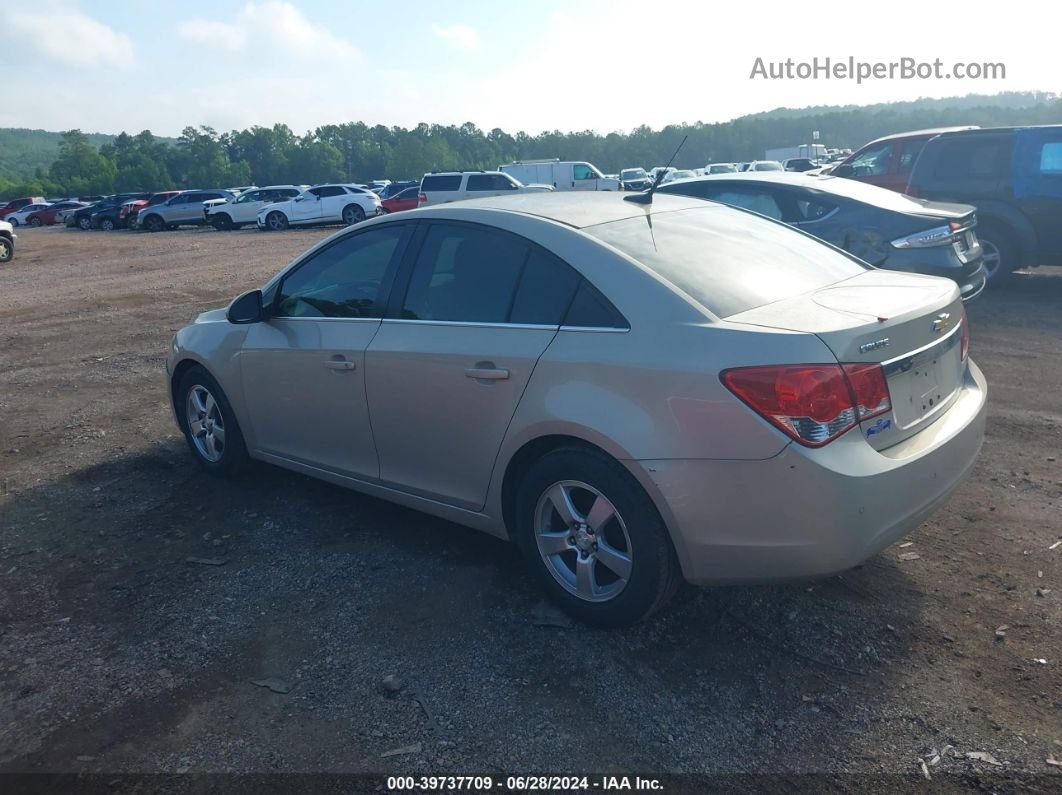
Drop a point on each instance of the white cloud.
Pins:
(274, 25)
(62, 34)
(213, 34)
(463, 37)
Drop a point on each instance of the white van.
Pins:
(451, 186)
(561, 174)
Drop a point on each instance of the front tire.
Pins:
(209, 424)
(12, 221)
(221, 222)
(84, 223)
(153, 224)
(593, 538)
(353, 214)
(35, 221)
(7, 249)
(107, 225)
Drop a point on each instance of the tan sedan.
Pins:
(635, 394)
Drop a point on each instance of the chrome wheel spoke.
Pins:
(584, 577)
(211, 445)
(600, 513)
(196, 427)
(619, 563)
(561, 498)
(554, 543)
(218, 433)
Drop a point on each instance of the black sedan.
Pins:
(882, 227)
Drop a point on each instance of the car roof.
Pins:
(927, 133)
(578, 209)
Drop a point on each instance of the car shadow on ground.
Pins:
(142, 598)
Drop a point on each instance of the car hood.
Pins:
(218, 315)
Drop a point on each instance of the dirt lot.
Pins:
(119, 655)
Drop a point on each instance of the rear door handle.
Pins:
(340, 364)
(487, 373)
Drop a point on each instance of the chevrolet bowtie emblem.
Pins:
(942, 323)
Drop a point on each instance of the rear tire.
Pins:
(276, 221)
(209, 424)
(999, 253)
(353, 214)
(607, 573)
(84, 223)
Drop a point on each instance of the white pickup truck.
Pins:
(561, 174)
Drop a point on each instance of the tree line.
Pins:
(203, 157)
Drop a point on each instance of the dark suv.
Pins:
(1013, 175)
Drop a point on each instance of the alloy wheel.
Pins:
(583, 541)
(206, 425)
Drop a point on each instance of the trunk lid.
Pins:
(910, 324)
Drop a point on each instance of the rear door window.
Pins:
(873, 162)
(465, 273)
(909, 152)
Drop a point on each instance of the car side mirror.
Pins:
(843, 170)
(246, 309)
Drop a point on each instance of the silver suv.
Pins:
(184, 208)
(452, 186)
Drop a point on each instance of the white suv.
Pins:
(321, 204)
(244, 209)
(452, 186)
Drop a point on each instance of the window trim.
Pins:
(387, 285)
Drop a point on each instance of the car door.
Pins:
(1037, 186)
(307, 205)
(303, 370)
(244, 210)
(584, 177)
(452, 358)
(333, 199)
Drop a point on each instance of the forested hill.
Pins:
(34, 161)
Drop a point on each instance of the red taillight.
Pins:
(812, 403)
(422, 198)
(964, 344)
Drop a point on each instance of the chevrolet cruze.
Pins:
(635, 393)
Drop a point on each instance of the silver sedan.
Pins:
(635, 394)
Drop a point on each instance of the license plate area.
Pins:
(923, 383)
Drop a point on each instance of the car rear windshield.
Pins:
(728, 260)
(441, 182)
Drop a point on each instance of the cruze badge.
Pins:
(942, 322)
(867, 347)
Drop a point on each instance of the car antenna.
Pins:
(647, 197)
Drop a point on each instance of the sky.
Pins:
(533, 65)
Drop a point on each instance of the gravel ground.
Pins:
(141, 601)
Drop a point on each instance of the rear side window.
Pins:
(1051, 158)
(590, 309)
(545, 290)
(761, 202)
(440, 182)
(490, 182)
(976, 156)
(728, 261)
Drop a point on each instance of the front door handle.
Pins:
(487, 373)
(340, 364)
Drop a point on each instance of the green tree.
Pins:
(80, 168)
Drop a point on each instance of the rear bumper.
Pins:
(811, 513)
(941, 261)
